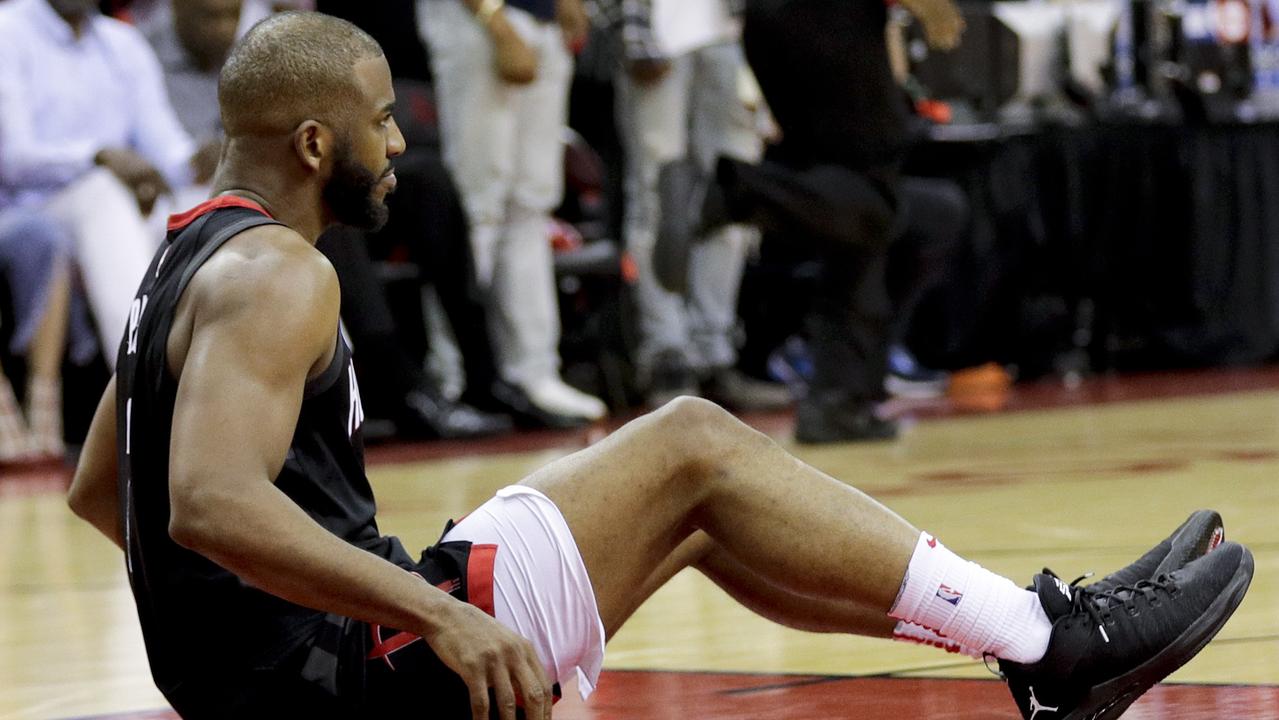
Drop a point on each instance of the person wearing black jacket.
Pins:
(823, 67)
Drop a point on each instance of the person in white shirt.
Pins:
(87, 135)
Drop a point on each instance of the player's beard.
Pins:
(350, 193)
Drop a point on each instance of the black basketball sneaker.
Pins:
(1107, 648)
(1203, 531)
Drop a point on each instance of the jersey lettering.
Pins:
(355, 416)
(135, 320)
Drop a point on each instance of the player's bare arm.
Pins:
(263, 318)
(93, 490)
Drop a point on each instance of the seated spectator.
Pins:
(34, 267)
(393, 387)
(191, 41)
(88, 137)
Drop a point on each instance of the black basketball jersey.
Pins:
(201, 622)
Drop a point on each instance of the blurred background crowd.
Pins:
(773, 204)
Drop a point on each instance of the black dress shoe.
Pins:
(526, 414)
(425, 415)
(668, 378)
(736, 391)
(831, 422)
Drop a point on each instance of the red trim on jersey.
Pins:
(382, 649)
(177, 222)
(479, 577)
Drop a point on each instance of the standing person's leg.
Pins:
(394, 387)
(653, 121)
(847, 326)
(481, 131)
(525, 308)
(14, 442)
(722, 125)
(477, 123)
(427, 214)
(113, 247)
(33, 256)
(841, 122)
(715, 266)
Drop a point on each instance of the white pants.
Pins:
(113, 245)
(693, 112)
(540, 586)
(503, 144)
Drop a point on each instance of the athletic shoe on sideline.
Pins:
(906, 378)
(1108, 648)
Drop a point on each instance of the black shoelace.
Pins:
(1101, 607)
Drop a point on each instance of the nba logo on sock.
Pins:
(950, 595)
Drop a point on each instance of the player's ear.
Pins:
(313, 142)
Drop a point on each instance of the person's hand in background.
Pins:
(943, 23)
(138, 175)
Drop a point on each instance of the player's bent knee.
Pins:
(688, 413)
(698, 428)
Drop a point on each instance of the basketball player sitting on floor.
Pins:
(225, 459)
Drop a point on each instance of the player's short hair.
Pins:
(291, 67)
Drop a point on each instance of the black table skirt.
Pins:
(1135, 246)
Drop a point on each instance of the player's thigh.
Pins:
(630, 500)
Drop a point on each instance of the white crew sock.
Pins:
(920, 635)
(971, 607)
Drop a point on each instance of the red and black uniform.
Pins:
(219, 648)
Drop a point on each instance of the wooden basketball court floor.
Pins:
(1076, 480)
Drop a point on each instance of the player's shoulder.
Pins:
(267, 270)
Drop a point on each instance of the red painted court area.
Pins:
(644, 695)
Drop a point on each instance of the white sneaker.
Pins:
(44, 402)
(14, 440)
(553, 395)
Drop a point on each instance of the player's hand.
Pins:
(574, 23)
(649, 71)
(516, 62)
(139, 176)
(489, 657)
(942, 21)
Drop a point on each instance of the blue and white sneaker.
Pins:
(906, 378)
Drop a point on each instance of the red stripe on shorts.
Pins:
(479, 577)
